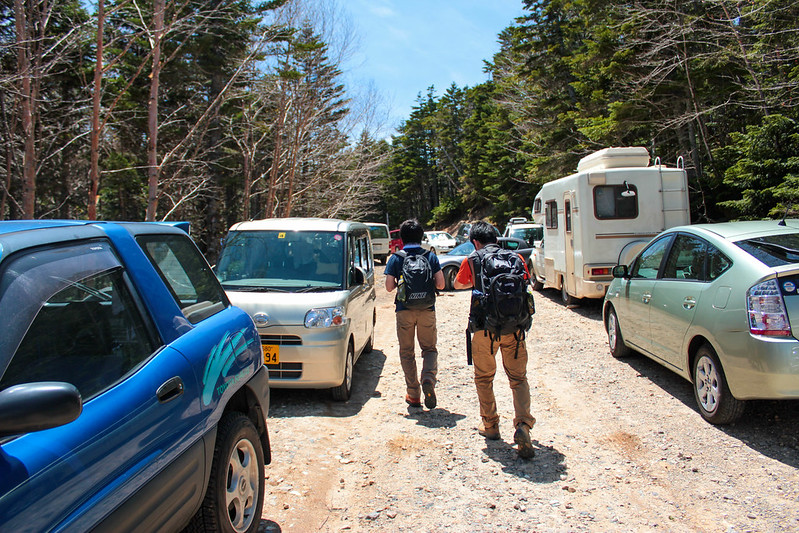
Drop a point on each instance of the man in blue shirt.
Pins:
(422, 322)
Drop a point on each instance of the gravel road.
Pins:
(619, 445)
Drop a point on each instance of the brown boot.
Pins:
(491, 432)
(522, 438)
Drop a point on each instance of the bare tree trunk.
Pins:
(94, 171)
(273, 171)
(152, 113)
(26, 111)
(9, 156)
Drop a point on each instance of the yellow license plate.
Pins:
(271, 354)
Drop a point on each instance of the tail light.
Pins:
(767, 314)
(601, 271)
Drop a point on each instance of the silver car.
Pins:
(308, 284)
(717, 304)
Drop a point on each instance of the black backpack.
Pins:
(416, 288)
(502, 300)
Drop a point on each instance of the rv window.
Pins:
(552, 215)
(567, 215)
(537, 206)
(615, 201)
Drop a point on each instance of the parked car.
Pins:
(527, 231)
(380, 240)
(309, 285)
(396, 242)
(462, 233)
(132, 394)
(438, 242)
(451, 262)
(717, 304)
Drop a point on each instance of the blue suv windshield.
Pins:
(282, 260)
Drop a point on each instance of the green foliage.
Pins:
(765, 169)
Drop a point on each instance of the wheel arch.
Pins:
(246, 401)
(693, 347)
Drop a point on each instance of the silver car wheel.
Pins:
(612, 339)
(241, 494)
(707, 384)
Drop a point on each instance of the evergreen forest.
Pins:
(217, 111)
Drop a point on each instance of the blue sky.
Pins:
(408, 45)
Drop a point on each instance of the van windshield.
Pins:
(378, 231)
(282, 260)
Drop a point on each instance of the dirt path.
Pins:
(619, 445)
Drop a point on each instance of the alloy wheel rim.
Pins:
(612, 330)
(707, 384)
(241, 494)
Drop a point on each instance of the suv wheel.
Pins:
(235, 494)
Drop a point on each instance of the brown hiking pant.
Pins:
(485, 367)
(422, 322)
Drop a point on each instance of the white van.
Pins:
(380, 240)
(602, 216)
(309, 285)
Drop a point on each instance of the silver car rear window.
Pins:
(773, 250)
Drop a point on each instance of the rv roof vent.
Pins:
(631, 156)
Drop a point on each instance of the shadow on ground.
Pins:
(319, 402)
(767, 426)
(546, 467)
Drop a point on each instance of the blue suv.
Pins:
(133, 396)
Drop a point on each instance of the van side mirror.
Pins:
(620, 271)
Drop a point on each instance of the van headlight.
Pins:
(324, 317)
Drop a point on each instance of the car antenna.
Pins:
(782, 220)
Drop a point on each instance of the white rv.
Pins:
(602, 216)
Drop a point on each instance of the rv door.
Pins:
(570, 282)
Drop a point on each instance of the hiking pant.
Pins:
(485, 367)
(423, 323)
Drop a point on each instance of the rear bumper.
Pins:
(760, 367)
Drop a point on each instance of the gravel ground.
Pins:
(619, 445)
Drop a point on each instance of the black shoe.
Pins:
(429, 391)
(522, 438)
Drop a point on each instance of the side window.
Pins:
(366, 256)
(717, 263)
(615, 201)
(187, 275)
(686, 259)
(537, 206)
(80, 324)
(648, 263)
(552, 215)
(567, 215)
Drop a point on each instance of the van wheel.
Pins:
(537, 285)
(235, 495)
(716, 404)
(567, 298)
(343, 391)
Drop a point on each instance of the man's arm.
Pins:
(438, 278)
(391, 282)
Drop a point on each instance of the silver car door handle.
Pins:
(646, 297)
(689, 303)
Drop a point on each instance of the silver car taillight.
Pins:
(767, 314)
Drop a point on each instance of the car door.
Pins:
(633, 304)
(359, 292)
(675, 297)
(79, 320)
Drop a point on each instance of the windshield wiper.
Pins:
(317, 289)
(251, 288)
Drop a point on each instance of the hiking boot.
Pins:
(413, 402)
(429, 391)
(522, 438)
(491, 433)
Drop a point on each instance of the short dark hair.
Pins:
(483, 232)
(411, 232)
